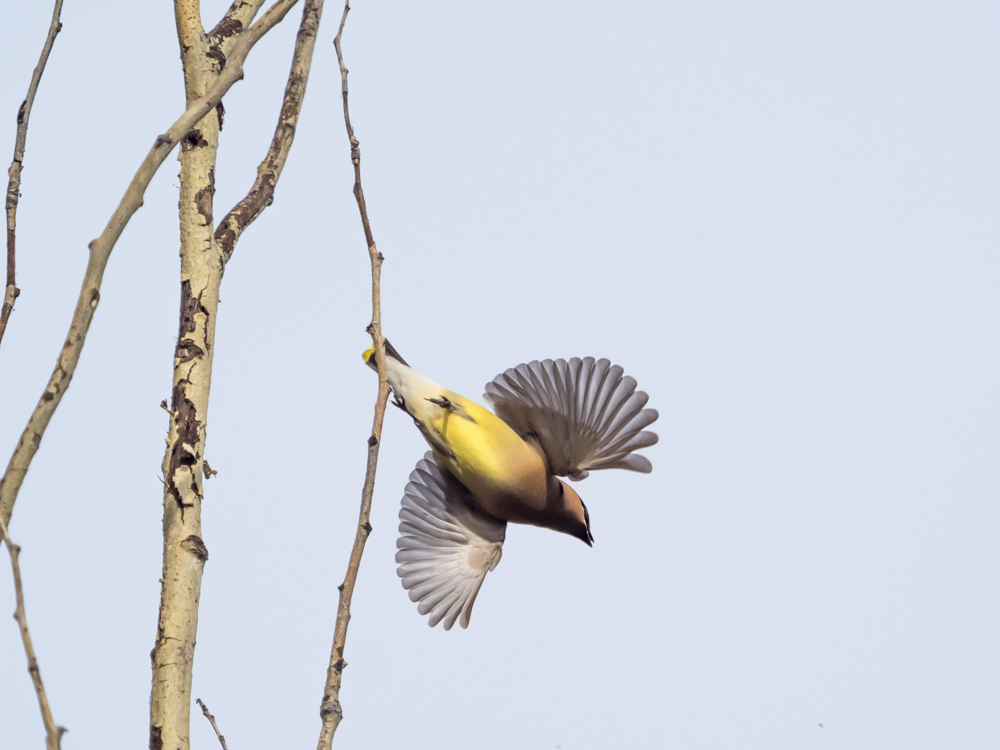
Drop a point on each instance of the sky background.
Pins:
(780, 218)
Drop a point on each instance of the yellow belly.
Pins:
(506, 475)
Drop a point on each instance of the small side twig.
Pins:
(53, 733)
(211, 719)
(331, 711)
(14, 172)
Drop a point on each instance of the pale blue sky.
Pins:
(779, 217)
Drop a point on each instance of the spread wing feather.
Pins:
(586, 413)
(446, 545)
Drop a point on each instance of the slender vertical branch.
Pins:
(184, 551)
(100, 253)
(211, 720)
(331, 711)
(14, 173)
(53, 733)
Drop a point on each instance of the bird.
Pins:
(551, 418)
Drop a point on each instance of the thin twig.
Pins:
(211, 719)
(331, 711)
(100, 252)
(261, 194)
(53, 733)
(14, 173)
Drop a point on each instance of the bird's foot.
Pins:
(443, 402)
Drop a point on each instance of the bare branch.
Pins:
(331, 711)
(14, 173)
(211, 719)
(261, 194)
(100, 252)
(184, 468)
(53, 733)
(184, 550)
(359, 194)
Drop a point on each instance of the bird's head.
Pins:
(369, 357)
(578, 519)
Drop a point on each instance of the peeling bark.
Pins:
(184, 551)
(184, 468)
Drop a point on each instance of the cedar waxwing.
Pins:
(553, 418)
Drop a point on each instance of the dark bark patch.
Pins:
(215, 53)
(196, 546)
(227, 27)
(155, 738)
(330, 707)
(186, 351)
(221, 112)
(190, 307)
(225, 237)
(245, 212)
(203, 198)
(194, 139)
(187, 437)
